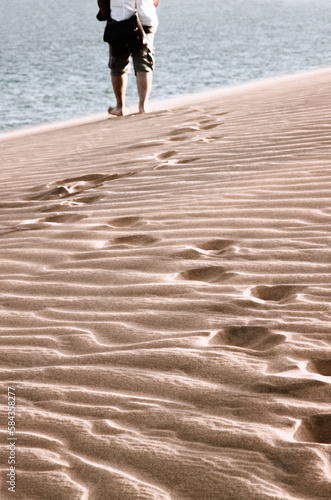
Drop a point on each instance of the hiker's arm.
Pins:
(156, 3)
(104, 7)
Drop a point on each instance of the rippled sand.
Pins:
(165, 300)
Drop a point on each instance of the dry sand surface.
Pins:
(165, 300)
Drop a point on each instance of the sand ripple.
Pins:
(165, 304)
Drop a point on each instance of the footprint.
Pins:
(166, 164)
(166, 160)
(210, 118)
(36, 224)
(305, 389)
(166, 155)
(187, 160)
(94, 178)
(250, 337)
(322, 366)
(74, 185)
(183, 130)
(206, 120)
(315, 429)
(124, 221)
(147, 144)
(282, 365)
(274, 293)
(60, 219)
(13, 204)
(218, 245)
(51, 194)
(135, 239)
(210, 274)
(53, 208)
(208, 139)
(246, 304)
(73, 202)
(84, 200)
(171, 163)
(25, 226)
(179, 138)
(210, 127)
(189, 254)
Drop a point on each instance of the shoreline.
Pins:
(162, 105)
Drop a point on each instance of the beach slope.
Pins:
(165, 300)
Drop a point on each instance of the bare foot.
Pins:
(143, 109)
(115, 110)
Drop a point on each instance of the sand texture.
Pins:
(165, 300)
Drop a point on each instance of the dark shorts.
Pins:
(143, 59)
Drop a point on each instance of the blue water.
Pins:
(53, 62)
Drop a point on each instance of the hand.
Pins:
(100, 16)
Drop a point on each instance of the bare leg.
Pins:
(119, 86)
(144, 85)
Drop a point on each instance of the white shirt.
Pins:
(123, 9)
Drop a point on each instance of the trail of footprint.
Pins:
(250, 337)
(315, 429)
(209, 274)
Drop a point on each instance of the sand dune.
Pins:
(165, 299)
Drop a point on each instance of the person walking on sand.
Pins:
(143, 58)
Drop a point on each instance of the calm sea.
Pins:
(53, 62)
